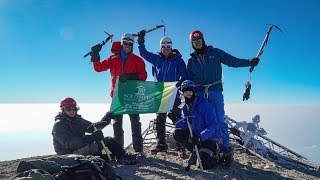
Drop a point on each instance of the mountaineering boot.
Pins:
(159, 148)
(128, 159)
(140, 155)
(227, 156)
(192, 159)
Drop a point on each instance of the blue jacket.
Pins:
(68, 134)
(204, 123)
(165, 70)
(209, 70)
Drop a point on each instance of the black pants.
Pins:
(183, 137)
(161, 122)
(137, 140)
(96, 148)
(113, 146)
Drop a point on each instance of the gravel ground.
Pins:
(170, 166)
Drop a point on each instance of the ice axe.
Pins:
(155, 28)
(264, 43)
(110, 36)
(98, 127)
(189, 122)
(246, 93)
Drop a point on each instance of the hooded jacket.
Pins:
(68, 133)
(173, 69)
(134, 64)
(209, 70)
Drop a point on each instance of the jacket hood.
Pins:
(116, 47)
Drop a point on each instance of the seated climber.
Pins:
(69, 135)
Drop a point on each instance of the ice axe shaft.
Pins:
(106, 150)
(150, 30)
(110, 36)
(264, 42)
(155, 28)
(195, 147)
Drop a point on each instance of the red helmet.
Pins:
(68, 103)
(196, 34)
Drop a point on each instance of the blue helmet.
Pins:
(188, 85)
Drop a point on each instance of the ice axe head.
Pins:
(273, 25)
(264, 43)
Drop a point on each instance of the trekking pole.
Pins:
(110, 36)
(195, 146)
(152, 29)
(264, 43)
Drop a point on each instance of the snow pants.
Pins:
(216, 98)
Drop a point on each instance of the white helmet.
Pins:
(128, 38)
(165, 41)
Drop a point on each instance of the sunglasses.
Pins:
(127, 44)
(197, 41)
(71, 109)
(166, 47)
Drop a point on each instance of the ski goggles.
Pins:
(197, 41)
(71, 109)
(127, 43)
(166, 46)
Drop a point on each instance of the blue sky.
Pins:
(42, 44)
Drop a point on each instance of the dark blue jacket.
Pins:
(209, 70)
(164, 70)
(204, 122)
(68, 133)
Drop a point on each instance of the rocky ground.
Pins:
(170, 166)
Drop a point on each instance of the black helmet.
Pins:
(188, 85)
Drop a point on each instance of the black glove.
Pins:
(178, 84)
(107, 118)
(95, 56)
(96, 136)
(98, 125)
(174, 116)
(122, 78)
(195, 140)
(246, 94)
(177, 52)
(132, 76)
(141, 35)
(254, 61)
(128, 76)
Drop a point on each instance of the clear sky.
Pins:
(42, 43)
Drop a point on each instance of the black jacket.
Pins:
(68, 133)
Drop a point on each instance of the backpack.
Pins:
(67, 167)
(36, 174)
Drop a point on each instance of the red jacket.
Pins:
(134, 64)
